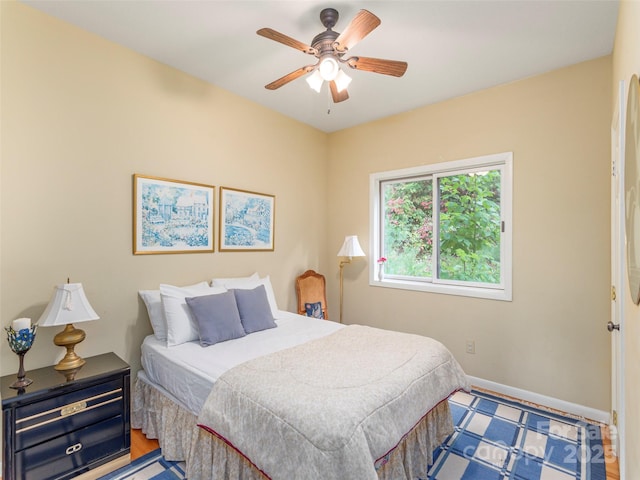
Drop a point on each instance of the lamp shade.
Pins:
(315, 80)
(68, 304)
(342, 81)
(351, 247)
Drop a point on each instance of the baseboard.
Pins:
(551, 402)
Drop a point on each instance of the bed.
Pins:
(304, 398)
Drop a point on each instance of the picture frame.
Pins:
(172, 216)
(247, 221)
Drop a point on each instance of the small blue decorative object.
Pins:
(20, 342)
(314, 310)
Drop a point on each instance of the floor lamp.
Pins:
(350, 248)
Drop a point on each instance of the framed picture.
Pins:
(246, 221)
(171, 216)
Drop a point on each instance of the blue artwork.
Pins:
(173, 216)
(247, 220)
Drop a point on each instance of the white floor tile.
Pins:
(453, 468)
(491, 454)
(535, 444)
(462, 398)
(479, 424)
(563, 430)
(509, 413)
(549, 473)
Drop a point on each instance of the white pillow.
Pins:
(271, 296)
(249, 283)
(235, 282)
(266, 281)
(153, 302)
(181, 326)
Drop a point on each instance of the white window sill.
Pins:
(475, 292)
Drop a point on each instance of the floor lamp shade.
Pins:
(68, 305)
(351, 247)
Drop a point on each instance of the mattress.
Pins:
(188, 371)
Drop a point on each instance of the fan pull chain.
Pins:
(328, 100)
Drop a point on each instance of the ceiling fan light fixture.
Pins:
(329, 68)
(315, 80)
(342, 81)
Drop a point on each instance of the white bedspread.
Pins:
(329, 408)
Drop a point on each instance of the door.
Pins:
(618, 277)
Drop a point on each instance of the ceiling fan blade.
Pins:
(288, 41)
(336, 95)
(378, 65)
(289, 77)
(362, 25)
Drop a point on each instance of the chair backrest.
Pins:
(311, 288)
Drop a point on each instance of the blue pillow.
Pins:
(314, 310)
(255, 312)
(217, 317)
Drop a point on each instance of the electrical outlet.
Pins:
(471, 346)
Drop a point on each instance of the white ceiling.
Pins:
(453, 47)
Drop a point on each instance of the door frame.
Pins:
(618, 277)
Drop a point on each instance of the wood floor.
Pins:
(141, 445)
(611, 461)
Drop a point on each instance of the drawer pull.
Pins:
(71, 409)
(73, 449)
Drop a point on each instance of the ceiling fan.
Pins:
(329, 47)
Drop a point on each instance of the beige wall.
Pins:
(626, 62)
(80, 115)
(551, 338)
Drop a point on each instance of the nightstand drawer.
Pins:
(71, 453)
(55, 416)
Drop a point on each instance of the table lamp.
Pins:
(68, 305)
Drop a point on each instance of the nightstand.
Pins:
(59, 429)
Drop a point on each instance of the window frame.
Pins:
(502, 291)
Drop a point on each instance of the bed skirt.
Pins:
(208, 457)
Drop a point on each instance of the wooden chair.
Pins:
(311, 288)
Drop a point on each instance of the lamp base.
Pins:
(342, 264)
(22, 380)
(69, 338)
(21, 383)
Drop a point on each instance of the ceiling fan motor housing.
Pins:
(323, 42)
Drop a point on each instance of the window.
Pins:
(444, 228)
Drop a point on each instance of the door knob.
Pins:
(613, 326)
